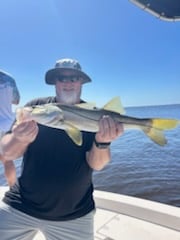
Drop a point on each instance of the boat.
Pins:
(121, 217)
(164, 9)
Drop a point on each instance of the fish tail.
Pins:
(155, 135)
(155, 132)
(165, 124)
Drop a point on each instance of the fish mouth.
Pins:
(22, 115)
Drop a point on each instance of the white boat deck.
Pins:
(120, 217)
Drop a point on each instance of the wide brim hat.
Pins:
(66, 64)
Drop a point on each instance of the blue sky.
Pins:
(126, 51)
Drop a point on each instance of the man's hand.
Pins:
(109, 130)
(14, 144)
(25, 132)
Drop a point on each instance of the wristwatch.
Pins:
(102, 145)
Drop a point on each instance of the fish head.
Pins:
(23, 114)
(47, 114)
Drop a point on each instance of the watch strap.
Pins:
(102, 145)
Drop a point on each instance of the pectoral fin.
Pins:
(74, 134)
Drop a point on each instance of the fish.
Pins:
(74, 119)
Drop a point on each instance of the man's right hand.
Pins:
(14, 144)
(25, 132)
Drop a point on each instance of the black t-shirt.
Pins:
(56, 181)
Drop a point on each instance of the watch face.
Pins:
(102, 146)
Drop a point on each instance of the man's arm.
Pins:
(109, 130)
(14, 144)
(10, 172)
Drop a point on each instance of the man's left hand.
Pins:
(109, 130)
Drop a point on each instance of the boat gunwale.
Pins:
(153, 212)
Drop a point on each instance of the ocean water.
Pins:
(139, 167)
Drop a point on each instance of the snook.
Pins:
(83, 117)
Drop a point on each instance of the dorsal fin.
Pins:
(114, 105)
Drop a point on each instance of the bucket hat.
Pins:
(61, 65)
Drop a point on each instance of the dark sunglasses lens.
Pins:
(68, 78)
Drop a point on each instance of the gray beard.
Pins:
(70, 97)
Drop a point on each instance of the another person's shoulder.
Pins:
(40, 101)
(6, 78)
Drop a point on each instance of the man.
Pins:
(54, 192)
(9, 94)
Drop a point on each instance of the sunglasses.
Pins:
(65, 79)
